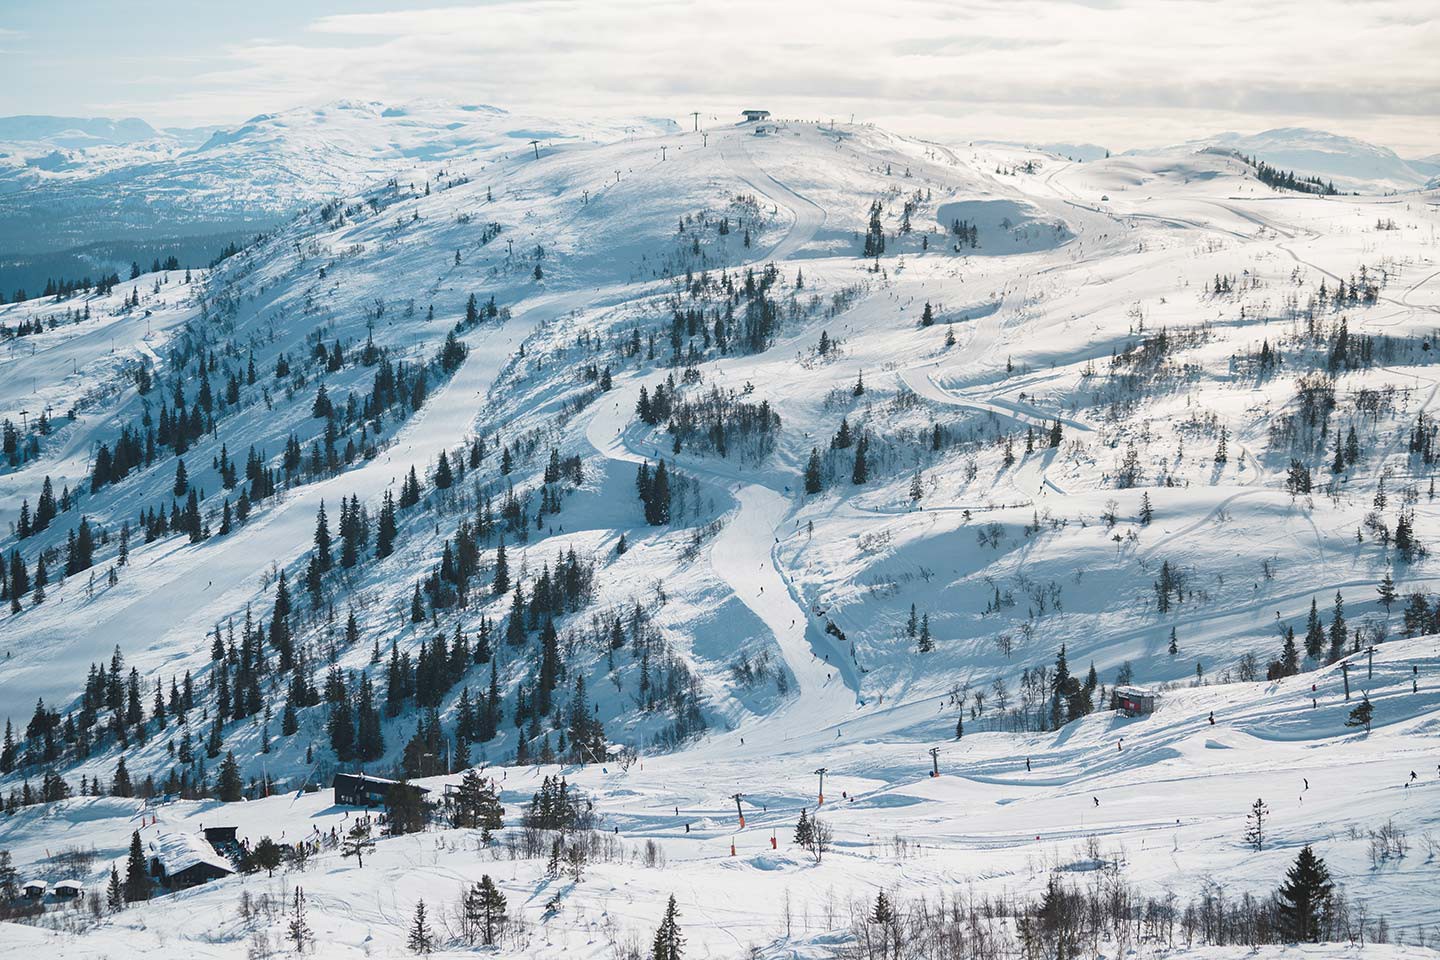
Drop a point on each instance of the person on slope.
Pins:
(1097, 800)
(1212, 718)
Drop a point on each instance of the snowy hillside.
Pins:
(684, 464)
(65, 185)
(1353, 165)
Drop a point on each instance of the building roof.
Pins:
(181, 851)
(69, 884)
(364, 778)
(28, 884)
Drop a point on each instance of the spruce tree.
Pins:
(813, 481)
(230, 786)
(1362, 715)
(668, 943)
(137, 878)
(421, 940)
(1304, 899)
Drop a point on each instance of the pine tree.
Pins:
(860, 473)
(668, 943)
(421, 940)
(804, 831)
(324, 560)
(1174, 643)
(1362, 715)
(298, 931)
(120, 786)
(926, 644)
(1387, 591)
(1304, 899)
(114, 893)
(230, 786)
(1338, 629)
(1255, 824)
(137, 878)
(1290, 654)
(813, 481)
(1314, 633)
(485, 909)
(501, 584)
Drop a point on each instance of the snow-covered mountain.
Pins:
(69, 183)
(957, 442)
(1353, 165)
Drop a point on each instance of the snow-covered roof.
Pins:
(69, 885)
(181, 851)
(28, 884)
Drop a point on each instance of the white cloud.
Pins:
(1129, 72)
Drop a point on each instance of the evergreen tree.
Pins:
(860, 473)
(1387, 591)
(1338, 629)
(230, 786)
(114, 893)
(668, 943)
(137, 878)
(501, 584)
(421, 940)
(1255, 824)
(1362, 715)
(804, 831)
(813, 481)
(120, 786)
(485, 909)
(1303, 901)
(298, 931)
(1314, 633)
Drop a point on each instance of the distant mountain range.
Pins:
(1353, 165)
(68, 183)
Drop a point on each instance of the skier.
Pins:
(1027, 764)
(1307, 782)
(1212, 718)
(1097, 800)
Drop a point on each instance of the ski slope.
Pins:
(1009, 546)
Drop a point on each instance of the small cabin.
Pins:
(755, 116)
(34, 889)
(180, 860)
(360, 790)
(1134, 701)
(68, 890)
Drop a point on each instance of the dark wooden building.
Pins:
(180, 860)
(361, 790)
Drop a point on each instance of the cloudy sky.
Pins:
(1121, 73)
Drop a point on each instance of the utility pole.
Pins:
(704, 139)
(934, 761)
(662, 154)
(512, 248)
(1345, 672)
(536, 145)
(696, 115)
(1370, 665)
(821, 772)
(738, 812)
(617, 176)
(587, 198)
